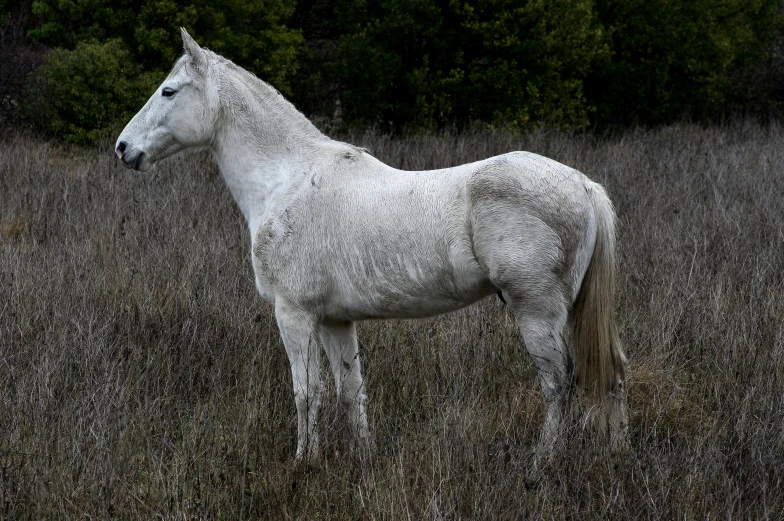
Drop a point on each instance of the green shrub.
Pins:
(4, 15)
(85, 93)
(251, 32)
(110, 55)
(673, 58)
(426, 63)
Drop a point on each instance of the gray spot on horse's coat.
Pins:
(346, 365)
(263, 236)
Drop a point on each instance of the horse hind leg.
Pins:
(618, 419)
(529, 272)
(542, 322)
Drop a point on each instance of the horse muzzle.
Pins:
(130, 158)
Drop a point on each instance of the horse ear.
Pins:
(192, 49)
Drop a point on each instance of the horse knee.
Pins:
(352, 386)
(308, 397)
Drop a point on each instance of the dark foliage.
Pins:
(107, 54)
(19, 58)
(672, 59)
(431, 63)
(85, 94)
(427, 63)
(252, 32)
(414, 65)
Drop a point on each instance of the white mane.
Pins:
(240, 89)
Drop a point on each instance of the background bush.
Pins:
(84, 94)
(428, 64)
(672, 58)
(252, 32)
(19, 57)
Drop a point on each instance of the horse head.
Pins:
(179, 116)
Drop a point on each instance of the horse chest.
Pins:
(286, 263)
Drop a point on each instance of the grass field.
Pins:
(142, 377)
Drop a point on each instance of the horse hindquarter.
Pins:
(537, 225)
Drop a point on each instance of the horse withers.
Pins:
(338, 236)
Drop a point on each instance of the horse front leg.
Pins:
(340, 343)
(300, 338)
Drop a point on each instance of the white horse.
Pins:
(337, 236)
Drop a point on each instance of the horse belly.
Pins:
(407, 287)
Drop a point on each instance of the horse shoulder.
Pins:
(288, 244)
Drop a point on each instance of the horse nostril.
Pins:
(121, 146)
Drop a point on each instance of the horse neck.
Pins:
(259, 143)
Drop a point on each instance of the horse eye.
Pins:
(167, 92)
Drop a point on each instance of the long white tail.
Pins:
(600, 364)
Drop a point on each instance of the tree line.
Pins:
(79, 68)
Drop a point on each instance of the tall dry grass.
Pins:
(141, 376)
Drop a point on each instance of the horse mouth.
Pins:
(133, 162)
